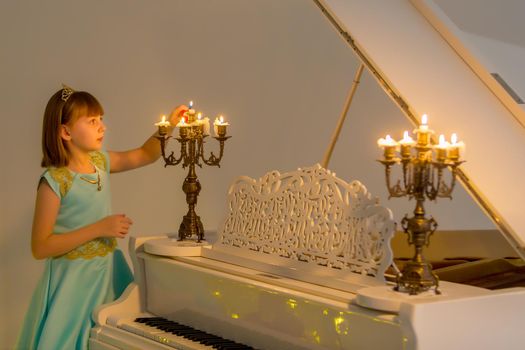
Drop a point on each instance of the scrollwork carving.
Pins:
(310, 215)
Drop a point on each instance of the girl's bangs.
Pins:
(84, 104)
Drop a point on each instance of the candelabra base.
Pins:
(172, 247)
(190, 226)
(417, 277)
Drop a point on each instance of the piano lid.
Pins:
(413, 51)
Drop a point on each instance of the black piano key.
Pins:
(209, 339)
(196, 338)
(200, 337)
(183, 333)
(156, 323)
(230, 346)
(216, 341)
(144, 319)
(170, 327)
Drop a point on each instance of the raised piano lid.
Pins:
(420, 61)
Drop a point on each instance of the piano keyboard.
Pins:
(177, 335)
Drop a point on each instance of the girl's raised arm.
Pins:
(148, 153)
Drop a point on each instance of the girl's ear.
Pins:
(64, 133)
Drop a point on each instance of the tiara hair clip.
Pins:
(66, 92)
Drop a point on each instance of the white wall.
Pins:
(276, 69)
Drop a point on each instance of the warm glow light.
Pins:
(199, 116)
(454, 139)
(190, 106)
(443, 144)
(221, 119)
(163, 122)
(386, 142)
(291, 303)
(424, 119)
(182, 122)
(406, 139)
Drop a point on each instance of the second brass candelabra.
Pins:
(422, 178)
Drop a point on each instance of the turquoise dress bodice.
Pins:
(74, 284)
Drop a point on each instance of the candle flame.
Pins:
(454, 139)
(199, 116)
(424, 119)
(387, 141)
(442, 141)
(190, 105)
(221, 119)
(163, 118)
(182, 120)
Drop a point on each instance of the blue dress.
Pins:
(74, 284)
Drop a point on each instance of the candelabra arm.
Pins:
(396, 190)
(445, 191)
(213, 160)
(171, 160)
(433, 182)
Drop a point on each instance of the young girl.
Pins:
(73, 228)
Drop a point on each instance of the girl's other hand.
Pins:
(177, 113)
(115, 226)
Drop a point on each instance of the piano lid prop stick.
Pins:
(337, 131)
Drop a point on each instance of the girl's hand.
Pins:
(176, 114)
(114, 226)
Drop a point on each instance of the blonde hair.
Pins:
(59, 112)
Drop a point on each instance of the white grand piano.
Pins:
(300, 259)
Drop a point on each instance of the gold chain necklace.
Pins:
(94, 182)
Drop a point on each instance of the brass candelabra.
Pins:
(423, 178)
(192, 137)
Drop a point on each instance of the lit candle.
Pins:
(389, 145)
(163, 126)
(453, 150)
(424, 122)
(200, 122)
(406, 145)
(219, 126)
(441, 148)
(423, 132)
(183, 128)
(190, 113)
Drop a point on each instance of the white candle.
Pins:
(182, 123)
(406, 145)
(219, 126)
(163, 126)
(453, 150)
(424, 123)
(389, 146)
(407, 139)
(388, 141)
(441, 148)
